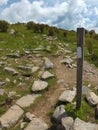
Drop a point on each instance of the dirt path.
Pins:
(66, 77)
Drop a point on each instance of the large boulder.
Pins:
(81, 125)
(11, 117)
(39, 85)
(92, 98)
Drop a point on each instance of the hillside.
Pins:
(35, 69)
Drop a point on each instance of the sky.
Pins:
(67, 14)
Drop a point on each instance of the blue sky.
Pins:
(68, 14)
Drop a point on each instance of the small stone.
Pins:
(39, 85)
(2, 83)
(7, 79)
(47, 75)
(67, 122)
(11, 94)
(29, 117)
(48, 64)
(2, 91)
(67, 61)
(24, 67)
(85, 90)
(2, 63)
(58, 114)
(22, 125)
(92, 98)
(11, 70)
(14, 55)
(34, 69)
(67, 96)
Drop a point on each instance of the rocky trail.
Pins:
(32, 110)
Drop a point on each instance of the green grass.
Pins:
(86, 112)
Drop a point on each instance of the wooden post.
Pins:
(80, 57)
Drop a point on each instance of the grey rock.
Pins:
(13, 55)
(11, 94)
(67, 61)
(37, 124)
(47, 64)
(2, 63)
(34, 69)
(2, 91)
(40, 48)
(11, 117)
(39, 85)
(22, 125)
(11, 70)
(92, 98)
(7, 79)
(85, 90)
(46, 75)
(24, 67)
(2, 83)
(29, 117)
(58, 114)
(27, 100)
(12, 31)
(81, 125)
(67, 96)
(26, 52)
(67, 123)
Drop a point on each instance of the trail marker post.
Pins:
(80, 57)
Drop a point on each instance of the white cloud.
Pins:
(69, 14)
(2, 2)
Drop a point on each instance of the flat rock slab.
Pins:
(27, 100)
(37, 124)
(11, 70)
(11, 117)
(67, 96)
(81, 125)
(92, 98)
(39, 85)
